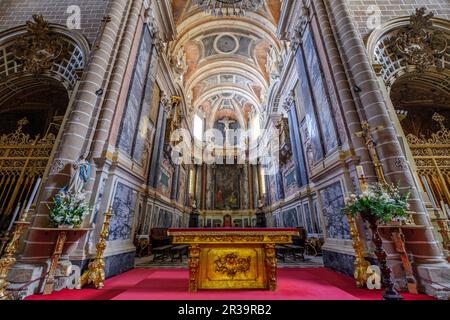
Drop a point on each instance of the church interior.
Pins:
(224, 149)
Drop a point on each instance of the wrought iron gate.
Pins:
(23, 160)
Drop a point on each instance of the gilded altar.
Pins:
(232, 258)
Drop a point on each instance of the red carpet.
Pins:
(172, 284)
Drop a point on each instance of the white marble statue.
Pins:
(80, 173)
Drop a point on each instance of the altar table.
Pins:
(227, 258)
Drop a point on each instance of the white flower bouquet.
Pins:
(380, 202)
(68, 209)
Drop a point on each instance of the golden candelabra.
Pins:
(3, 242)
(8, 260)
(361, 264)
(96, 269)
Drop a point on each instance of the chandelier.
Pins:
(229, 7)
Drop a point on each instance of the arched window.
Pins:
(198, 127)
(256, 128)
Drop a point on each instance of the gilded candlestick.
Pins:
(8, 260)
(361, 264)
(96, 269)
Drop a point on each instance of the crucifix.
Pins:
(226, 122)
(371, 145)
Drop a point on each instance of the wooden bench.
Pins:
(281, 252)
(296, 250)
(178, 252)
(162, 253)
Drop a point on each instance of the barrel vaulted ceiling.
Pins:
(222, 62)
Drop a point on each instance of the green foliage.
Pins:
(383, 202)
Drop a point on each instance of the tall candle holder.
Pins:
(389, 292)
(96, 269)
(4, 241)
(361, 264)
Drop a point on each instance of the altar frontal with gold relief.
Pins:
(232, 258)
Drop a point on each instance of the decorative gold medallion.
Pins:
(231, 264)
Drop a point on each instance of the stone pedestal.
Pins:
(433, 279)
(28, 279)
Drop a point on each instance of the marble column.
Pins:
(297, 146)
(158, 147)
(176, 183)
(82, 116)
(344, 92)
(203, 195)
(422, 243)
(105, 125)
(250, 187)
(116, 83)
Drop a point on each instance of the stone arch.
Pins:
(391, 66)
(416, 92)
(66, 68)
(39, 64)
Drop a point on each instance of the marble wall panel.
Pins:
(124, 205)
(312, 133)
(337, 226)
(290, 218)
(132, 113)
(320, 93)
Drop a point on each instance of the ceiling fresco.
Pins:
(223, 68)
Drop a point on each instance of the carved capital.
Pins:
(289, 101)
(296, 39)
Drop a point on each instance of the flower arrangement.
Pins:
(68, 209)
(381, 202)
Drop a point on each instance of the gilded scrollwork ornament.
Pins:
(194, 264)
(420, 45)
(232, 264)
(39, 48)
(440, 137)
